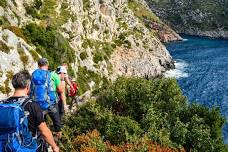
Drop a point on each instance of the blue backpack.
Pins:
(14, 132)
(42, 90)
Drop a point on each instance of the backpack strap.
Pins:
(47, 84)
(56, 94)
(32, 88)
(21, 101)
(3, 101)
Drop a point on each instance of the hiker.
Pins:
(44, 88)
(62, 105)
(66, 79)
(21, 119)
(72, 93)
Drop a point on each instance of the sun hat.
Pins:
(61, 69)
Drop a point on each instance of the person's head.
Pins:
(21, 81)
(43, 63)
(64, 64)
(61, 71)
(73, 79)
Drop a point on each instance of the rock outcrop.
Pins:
(202, 18)
(109, 38)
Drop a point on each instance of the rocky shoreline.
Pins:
(210, 34)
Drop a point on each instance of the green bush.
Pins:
(4, 47)
(132, 109)
(3, 20)
(38, 4)
(102, 50)
(5, 89)
(35, 55)
(50, 44)
(3, 3)
(132, 97)
(86, 4)
(116, 129)
(163, 113)
(122, 40)
(16, 30)
(83, 55)
(85, 76)
(97, 57)
(24, 58)
(31, 10)
(204, 128)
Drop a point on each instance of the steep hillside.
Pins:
(100, 40)
(201, 17)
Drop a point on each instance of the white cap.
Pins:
(61, 69)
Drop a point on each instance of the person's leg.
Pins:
(61, 111)
(53, 112)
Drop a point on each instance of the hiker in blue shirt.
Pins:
(35, 120)
(43, 89)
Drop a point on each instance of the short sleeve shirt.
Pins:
(35, 117)
(56, 80)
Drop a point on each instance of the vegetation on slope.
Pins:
(202, 14)
(50, 44)
(133, 112)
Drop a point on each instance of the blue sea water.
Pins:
(202, 72)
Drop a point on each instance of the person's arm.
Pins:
(68, 82)
(48, 137)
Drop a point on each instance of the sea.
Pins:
(202, 72)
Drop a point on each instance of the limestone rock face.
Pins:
(144, 55)
(15, 55)
(109, 37)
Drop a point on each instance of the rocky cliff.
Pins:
(201, 17)
(100, 39)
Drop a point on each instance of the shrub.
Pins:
(35, 55)
(1, 73)
(204, 128)
(85, 76)
(86, 4)
(5, 37)
(134, 114)
(116, 129)
(24, 58)
(50, 44)
(93, 141)
(132, 97)
(97, 57)
(141, 11)
(3, 3)
(2, 20)
(6, 89)
(89, 142)
(83, 55)
(163, 113)
(16, 30)
(31, 10)
(122, 40)
(38, 4)
(4, 47)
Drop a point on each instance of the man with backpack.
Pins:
(22, 119)
(43, 90)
